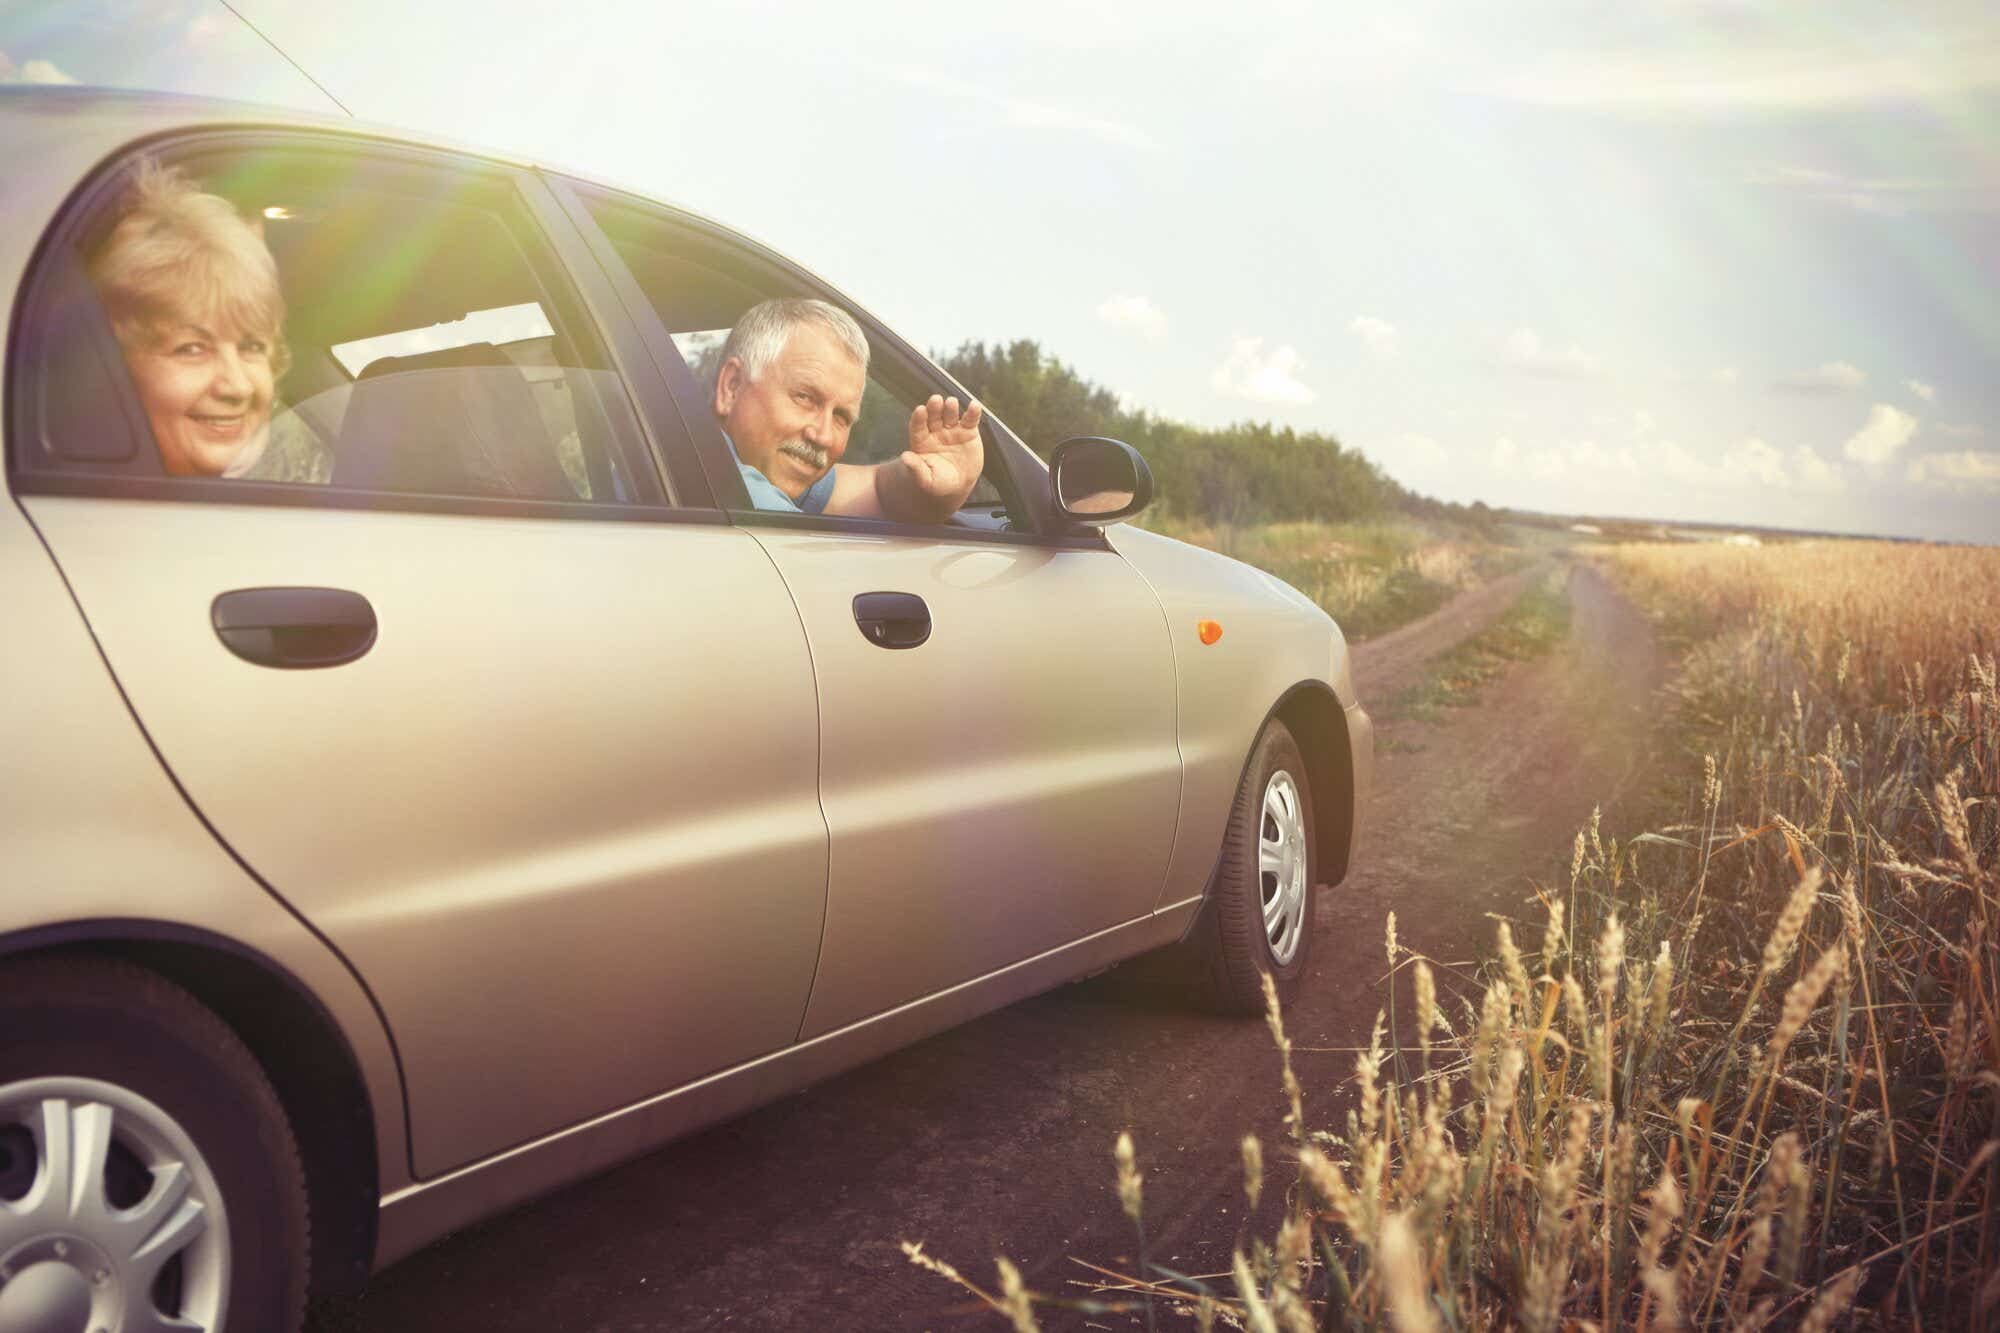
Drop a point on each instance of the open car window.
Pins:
(388, 325)
(699, 284)
(881, 431)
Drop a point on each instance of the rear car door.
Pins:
(1004, 788)
(453, 667)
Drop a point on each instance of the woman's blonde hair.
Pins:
(177, 255)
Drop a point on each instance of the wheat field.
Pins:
(1746, 1073)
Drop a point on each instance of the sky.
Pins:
(1676, 259)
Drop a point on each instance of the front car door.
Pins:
(561, 815)
(1001, 790)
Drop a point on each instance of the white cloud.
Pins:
(1959, 430)
(32, 71)
(1969, 467)
(1262, 377)
(1670, 460)
(1726, 375)
(1758, 462)
(1927, 392)
(1829, 377)
(1379, 334)
(1643, 422)
(1652, 466)
(1888, 429)
(1031, 114)
(1585, 453)
(1816, 473)
(1754, 460)
(1133, 312)
(1523, 350)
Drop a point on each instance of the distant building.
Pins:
(1587, 529)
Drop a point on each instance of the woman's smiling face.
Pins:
(207, 394)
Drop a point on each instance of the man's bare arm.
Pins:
(931, 479)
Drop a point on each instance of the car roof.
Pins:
(128, 114)
(143, 111)
(94, 122)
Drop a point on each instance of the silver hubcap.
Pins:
(1282, 866)
(116, 1192)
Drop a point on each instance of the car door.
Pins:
(517, 723)
(1006, 786)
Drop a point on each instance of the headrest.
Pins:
(467, 354)
(462, 421)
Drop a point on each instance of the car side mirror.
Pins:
(1099, 481)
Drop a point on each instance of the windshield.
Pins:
(177, 46)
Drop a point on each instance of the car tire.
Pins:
(1258, 916)
(111, 1073)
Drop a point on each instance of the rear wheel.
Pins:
(148, 1178)
(1258, 918)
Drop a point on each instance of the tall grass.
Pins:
(1745, 1070)
(1370, 575)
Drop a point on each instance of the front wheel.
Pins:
(148, 1178)
(1258, 919)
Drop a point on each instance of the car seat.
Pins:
(461, 421)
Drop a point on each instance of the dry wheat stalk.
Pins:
(1403, 1279)
(1785, 932)
(1014, 1300)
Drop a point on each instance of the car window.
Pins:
(315, 318)
(881, 430)
(698, 285)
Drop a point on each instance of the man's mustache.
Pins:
(812, 455)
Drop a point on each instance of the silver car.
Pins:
(484, 792)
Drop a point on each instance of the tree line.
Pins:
(1246, 472)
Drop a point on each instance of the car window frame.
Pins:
(580, 304)
(1039, 523)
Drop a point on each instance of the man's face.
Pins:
(791, 422)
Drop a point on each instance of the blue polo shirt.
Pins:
(764, 493)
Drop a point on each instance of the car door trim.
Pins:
(218, 490)
(419, 1213)
(630, 332)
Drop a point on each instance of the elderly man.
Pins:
(787, 394)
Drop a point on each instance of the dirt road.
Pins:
(996, 1138)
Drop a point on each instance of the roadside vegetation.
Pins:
(1244, 473)
(1322, 517)
(1536, 623)
(1371, 575)
(1739, 1071)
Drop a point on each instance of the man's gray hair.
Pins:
(759, 337)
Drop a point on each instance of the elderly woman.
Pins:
(193, 297)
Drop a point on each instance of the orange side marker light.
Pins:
(1209, 631)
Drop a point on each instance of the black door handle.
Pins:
(294, 628)
(892, 619)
